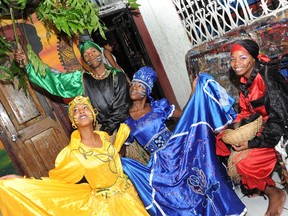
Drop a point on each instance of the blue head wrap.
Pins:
(147, 76)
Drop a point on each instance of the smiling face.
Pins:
(137, 90)
(242, 63)
(92, 57)
(82, 115)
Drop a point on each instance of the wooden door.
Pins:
(31, 135)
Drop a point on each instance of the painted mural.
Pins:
(57, 51)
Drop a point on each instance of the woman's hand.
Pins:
(11, 176)
(241, 146)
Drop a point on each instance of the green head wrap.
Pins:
(88, 44)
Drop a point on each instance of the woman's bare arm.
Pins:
(108, 55)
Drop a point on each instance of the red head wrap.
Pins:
(238, 47)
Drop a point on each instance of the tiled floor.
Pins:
(257, 206)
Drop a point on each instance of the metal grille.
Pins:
(205, 20)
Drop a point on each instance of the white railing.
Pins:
(205, 20)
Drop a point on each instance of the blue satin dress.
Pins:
(184, 176)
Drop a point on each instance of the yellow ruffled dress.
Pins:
(108, 191)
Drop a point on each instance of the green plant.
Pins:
(132, 4)
(8, 74)
(16, 4)
(14, 71)
(71, 16)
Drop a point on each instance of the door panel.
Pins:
(7, 130)
(23, 107)
(30, 136)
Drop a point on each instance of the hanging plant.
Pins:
(133, 5)
(36, 61)
(5, 49)
(8, 74)
(15, 4)
(72, 17)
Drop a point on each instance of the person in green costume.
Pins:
(107, 87)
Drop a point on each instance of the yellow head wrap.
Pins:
(80, 100)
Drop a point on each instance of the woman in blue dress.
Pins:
(183, 176)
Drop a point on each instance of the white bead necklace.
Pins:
(98, 76)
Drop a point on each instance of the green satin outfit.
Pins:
(66, 85)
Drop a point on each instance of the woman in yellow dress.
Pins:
(90, 155)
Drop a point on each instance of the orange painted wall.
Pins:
(50, 42)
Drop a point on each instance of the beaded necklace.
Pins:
(95, 76)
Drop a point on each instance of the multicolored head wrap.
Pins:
(88, 44)
(147, 76)
(251, 47)
(80, 100)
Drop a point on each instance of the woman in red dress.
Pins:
(263, 91)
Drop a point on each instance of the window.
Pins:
(205, 20)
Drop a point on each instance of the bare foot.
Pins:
(277, 199)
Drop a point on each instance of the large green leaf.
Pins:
(70, 16)
(16, 4)
(7, 75)
(133, 4)
(39, 66)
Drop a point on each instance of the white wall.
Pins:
(171, 43)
